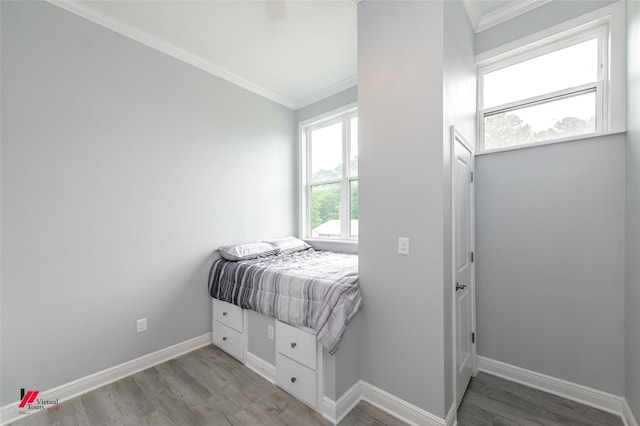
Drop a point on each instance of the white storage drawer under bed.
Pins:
(228, 314)
(296, 379)
(296, 343)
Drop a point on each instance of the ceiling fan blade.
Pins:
(276, 10)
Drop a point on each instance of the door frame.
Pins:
(457, 136)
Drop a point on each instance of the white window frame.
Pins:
(344, 115)
(609, 87)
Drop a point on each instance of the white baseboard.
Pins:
(336, 411)
(592, 397)
(451, 419)
(329, 409)
(86, 384)
(260, 366)
(399, 408)
(627, 415)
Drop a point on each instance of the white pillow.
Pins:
(247, 251)
(289, 245)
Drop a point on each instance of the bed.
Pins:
(302, 287)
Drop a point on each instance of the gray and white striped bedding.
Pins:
(316, 289)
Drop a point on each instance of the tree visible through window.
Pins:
(550, 93)
(331, 177)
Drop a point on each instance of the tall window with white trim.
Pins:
(329, 207)
(553, 92)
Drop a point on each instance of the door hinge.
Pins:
(471, 177)
(473, 337)
(473, 257)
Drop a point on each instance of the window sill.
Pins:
(338, 246)
(550, 142)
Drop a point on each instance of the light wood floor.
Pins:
(491, 401)
(208, 387)
(204, 387)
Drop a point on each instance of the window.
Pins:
(552, 92)
(329, 207)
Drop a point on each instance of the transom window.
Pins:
(553, 92)
(330, 176)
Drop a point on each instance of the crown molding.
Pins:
(507, 12)
(329, 91)
(140, 36)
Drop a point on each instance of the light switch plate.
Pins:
(141, 325)
(403, 246)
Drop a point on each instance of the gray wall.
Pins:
(336, 101)
(632, 226)
(347, 359)
(460, 110)
(545, 16)
(259, 342)
(550, 253)
(122, 170)
(400, 51)
(342, 370)
(550, 244)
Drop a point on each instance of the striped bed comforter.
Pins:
(316, 289)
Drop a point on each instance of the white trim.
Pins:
(627, 415)
(615, 11)
(507, 12)
(319, 402)
(399, 408)
(334, 411)
(260, 366)
(140, 36)
(600, 30)
(339, 246)
(88, 383)
(542, 99)
(391, 404)
(614, 14)
(329, 114)
(348, 401)
(551, 142)
(329, 408)
(329, 91)
(342, 115)
(452, 418)
(588, 396)
(457, 136)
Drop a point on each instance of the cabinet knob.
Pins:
(224, 339)
(224, 314)
(293, 380)
(294, 344)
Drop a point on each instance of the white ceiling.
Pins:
(308, 55)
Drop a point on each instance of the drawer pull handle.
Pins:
(224, 339)
(224, 314)
(294, 344)
(293, 380)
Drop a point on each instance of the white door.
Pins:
(462, 186)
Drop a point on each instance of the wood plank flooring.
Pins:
(204, 387)
(492, 401)
(208, 387)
